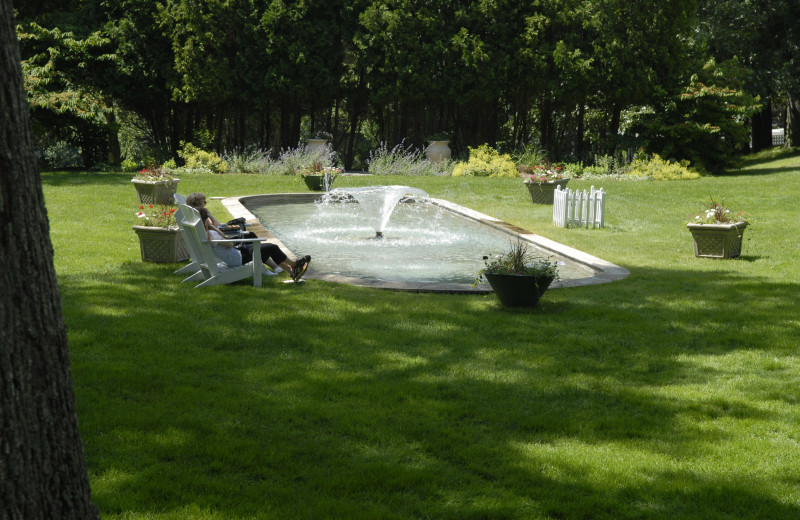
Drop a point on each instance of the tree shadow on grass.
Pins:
(745, 166)
(247, 401)
(79, 178)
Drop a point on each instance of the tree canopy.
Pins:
(571, 76)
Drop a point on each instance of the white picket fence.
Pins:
(576, 208)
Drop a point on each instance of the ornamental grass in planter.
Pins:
(717, 230)
(517, 278)
(318, 177)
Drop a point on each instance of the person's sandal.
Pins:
(300, 267)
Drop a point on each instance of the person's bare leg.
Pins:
(271, 264)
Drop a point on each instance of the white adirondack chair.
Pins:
(211, 271)
(192, 267)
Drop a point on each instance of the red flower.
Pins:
(141, 207)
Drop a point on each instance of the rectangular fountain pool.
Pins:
(423, 242)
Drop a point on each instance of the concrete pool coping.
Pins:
(601, 270)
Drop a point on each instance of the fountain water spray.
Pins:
(376, 202)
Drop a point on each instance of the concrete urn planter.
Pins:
(161, 245)
(542, 192)
(717, 240)
(156, 192)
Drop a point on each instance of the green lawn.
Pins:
(671, 394)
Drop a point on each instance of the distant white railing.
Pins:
(576, 208)
(778, 136)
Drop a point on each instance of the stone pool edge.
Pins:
(604, 272)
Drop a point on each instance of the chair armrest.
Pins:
(234, 240)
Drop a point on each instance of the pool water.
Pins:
(422, 242)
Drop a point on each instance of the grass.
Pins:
(668, 395)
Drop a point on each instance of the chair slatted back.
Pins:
(197, 241)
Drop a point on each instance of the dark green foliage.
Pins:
(707, 122)
(563, 74)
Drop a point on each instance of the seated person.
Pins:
(235, 255)
(197, 201)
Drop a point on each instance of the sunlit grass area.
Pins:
(670, 394)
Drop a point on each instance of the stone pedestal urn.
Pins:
(438, 151)
(316, 145)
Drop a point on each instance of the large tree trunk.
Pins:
(42, 469)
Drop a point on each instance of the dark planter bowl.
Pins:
(317, 182)
(514, 290)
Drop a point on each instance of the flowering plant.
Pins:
(153, 174)
(157, 216)
(518, 261)
(318, 169)
(542, 173)
(716, 212)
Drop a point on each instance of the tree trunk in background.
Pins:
(42, 470)
(579, 132)
(761, 128)
(114, 151)
(793, 121)
(546, 125)
(613, 129)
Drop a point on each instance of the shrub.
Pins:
(659, 169)
(612, 164)
(170, 166)
(485, 161)
(292, 159)
(529, 154)
(251, 160)
(405, 161)
(199, 161)
(129, 165)
(61, 154)
(579, 170)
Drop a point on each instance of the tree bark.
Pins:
(546, 124)
(114, 150)
(793, 121)
(580, 131)
(614, 118)
(42, 470)
(761, 128)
